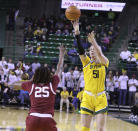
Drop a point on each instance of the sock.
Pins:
(85, 129)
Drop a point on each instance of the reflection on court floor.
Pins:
(12, 119)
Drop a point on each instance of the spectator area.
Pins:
(50, 33)
(129, 64)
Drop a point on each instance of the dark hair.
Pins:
(42, 75)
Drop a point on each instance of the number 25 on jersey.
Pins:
(41, 92)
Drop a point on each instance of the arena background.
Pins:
(13, 44)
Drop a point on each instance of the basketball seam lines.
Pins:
(72, 13)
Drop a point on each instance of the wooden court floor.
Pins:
(12, 119)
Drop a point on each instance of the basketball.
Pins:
(72, 13)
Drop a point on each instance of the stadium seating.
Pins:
(132, 47)
(49, 48)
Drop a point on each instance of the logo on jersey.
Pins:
(95, 66)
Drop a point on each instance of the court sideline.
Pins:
(12, 119)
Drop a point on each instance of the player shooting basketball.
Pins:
(94, 100)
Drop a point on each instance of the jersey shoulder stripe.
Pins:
(31, 90)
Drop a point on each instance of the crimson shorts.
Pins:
(34, 123)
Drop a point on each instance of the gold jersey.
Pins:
(65, 94)
(94, 75)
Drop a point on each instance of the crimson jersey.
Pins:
(42, 96)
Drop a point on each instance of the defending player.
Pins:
(94, 100)
(42, 91)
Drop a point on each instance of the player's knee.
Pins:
(86, 120)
